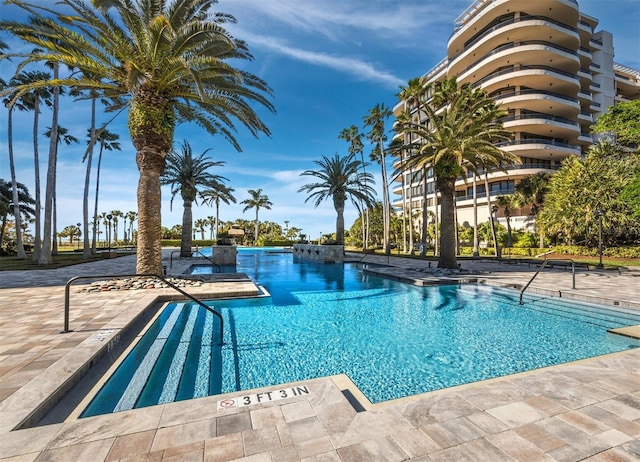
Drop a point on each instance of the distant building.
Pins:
(544, 63)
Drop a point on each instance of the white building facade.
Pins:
(544, 63)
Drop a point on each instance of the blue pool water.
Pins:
(391, 339)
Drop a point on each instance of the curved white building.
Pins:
(545, 64)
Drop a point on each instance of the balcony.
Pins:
(540, 148)
(530, 76)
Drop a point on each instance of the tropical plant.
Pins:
(169, 60)
(38, 96)
(187, 174)
(460, 134)
(256, 201)
(213, 195)
(585, 190)
(131, 216)
(108, 141)
(6, 204)
(115, 219)
(353, 136)
(375, 121)
(623, 121)
(340, 179)
(23, 103)
(414, 96)
(531, 191)
(60, 135)
(508, 202)
(199, 225)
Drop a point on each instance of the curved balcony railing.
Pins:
(539, 115)
(559, 144)
(518, 44)
(509, 22)
(511, 69)
(537, 92)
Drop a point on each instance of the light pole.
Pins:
(109, 217)
(599, 213)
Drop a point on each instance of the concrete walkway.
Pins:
(587, 410)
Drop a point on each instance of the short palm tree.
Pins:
(461, 133)
(531, 191)
(169, 61)
(508, 202)
(256, 201)
(340, 178)
(187, 174)
(214, 195)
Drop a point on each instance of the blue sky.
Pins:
(328, 63)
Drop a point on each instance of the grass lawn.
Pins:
(64, 258)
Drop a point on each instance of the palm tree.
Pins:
(186, 174)
(508, 202)
(213, 195)
(340, 179)
(61, 135)
(375, 121)
(22, 104)
(38, 95)
(460, 134)
(353, 136)
(169, 60)
(131, 216)
(531, 191)
(107, 141)
(256, 201)
(413, 95)
(199, 224)
(212, 223)
(115, 215)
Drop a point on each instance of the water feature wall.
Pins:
(321, 253)
(224, 254)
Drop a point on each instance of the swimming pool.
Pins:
(391, 339)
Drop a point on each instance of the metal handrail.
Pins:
(192, 252)
(546, 262)
(163, 279)
(212, 262)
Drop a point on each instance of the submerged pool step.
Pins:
(592, 314)
(178, 363)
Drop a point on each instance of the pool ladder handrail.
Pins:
(118, 276)
(192, 252)
(547, 261)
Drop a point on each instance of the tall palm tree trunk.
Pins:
(95, 207)
(149, 249)
(447, 226)
(37, 243)
(86, 249)
(489, 207)
(338, 204)
(45, 254)
(411, 251)
(187, 227)
(476, 252)
(255, 233)
(21, 255)
(425, 214)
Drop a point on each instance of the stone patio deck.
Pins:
(586, 410)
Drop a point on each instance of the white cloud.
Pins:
(356, 67)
